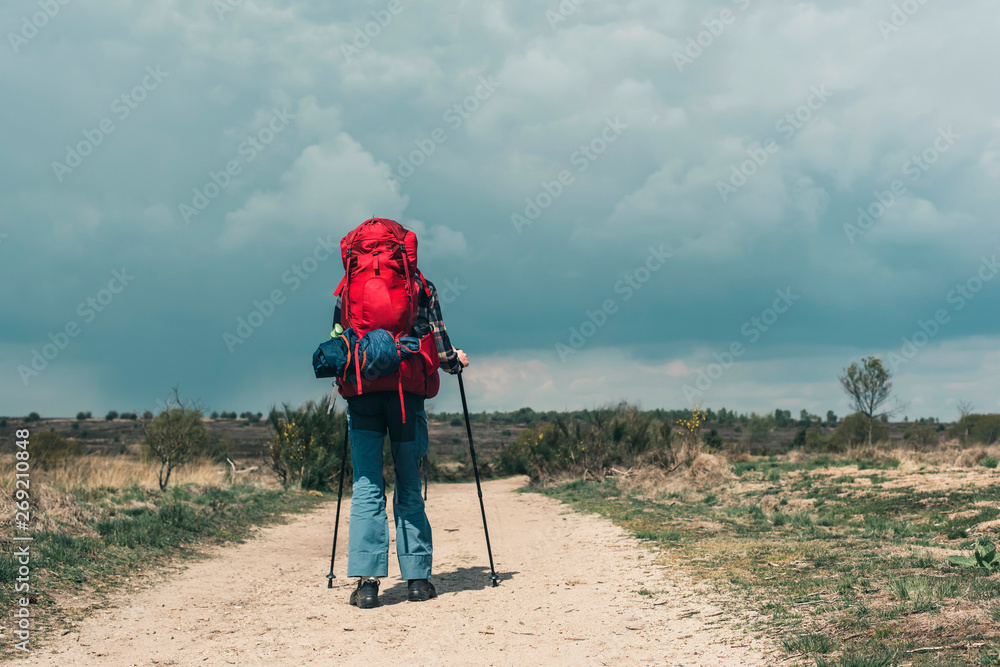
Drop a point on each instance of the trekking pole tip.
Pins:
(496, 580)
(329, 580)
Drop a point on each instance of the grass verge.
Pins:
(844, 561)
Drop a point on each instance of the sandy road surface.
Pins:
(568, 597)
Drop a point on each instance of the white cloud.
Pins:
(330, 187)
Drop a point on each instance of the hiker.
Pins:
(383, 289)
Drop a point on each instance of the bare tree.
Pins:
(965, 409)
(174, 436)
(868, 385)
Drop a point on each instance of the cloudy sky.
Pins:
(721, 203)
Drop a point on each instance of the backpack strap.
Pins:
(402, 407)
(423, 281)
(357, 365)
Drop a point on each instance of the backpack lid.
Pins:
(374, 228)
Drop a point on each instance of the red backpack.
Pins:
(381, 290)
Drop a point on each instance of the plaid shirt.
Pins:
(428, 315)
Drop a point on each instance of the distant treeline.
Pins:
(721, 417)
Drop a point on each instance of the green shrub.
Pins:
(799, 441)
(175, 437)
(32, 417)
(47, 448)
(853, 431)
(975, 428)
(989, 462)
(80, 416)
(922, 435)
(306, 447)
(111, 416)
(712, 439)
(456, 422)
(593, 442)
(758, 429)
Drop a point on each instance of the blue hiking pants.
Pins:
(369, 417)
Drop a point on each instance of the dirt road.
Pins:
(569, 596)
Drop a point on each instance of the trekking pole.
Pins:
(494, 579)
(340, 494)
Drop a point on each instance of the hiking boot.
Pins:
(365, 596)
(420, 590)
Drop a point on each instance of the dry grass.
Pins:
(98, 521)
(950, 453)
(849, 547)
(120, 472)
(54, 500)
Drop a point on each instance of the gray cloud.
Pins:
(358, 113)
